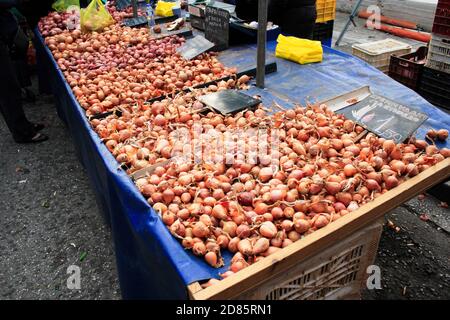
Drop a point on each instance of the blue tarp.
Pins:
(150, 262)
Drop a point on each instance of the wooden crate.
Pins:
(331, 245)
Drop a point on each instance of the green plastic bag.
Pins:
(63, 5)
(95, 17)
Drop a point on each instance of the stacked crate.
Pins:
(407, 69)
(323, 29)
(378, 53)
(435, 83)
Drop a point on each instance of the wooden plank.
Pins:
(300, 250)
(193, 288)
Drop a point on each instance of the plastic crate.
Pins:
(326, 10)
(378, 53)
(336, 272)
(439, 53)
(435, 87)
(324, 32)
(441, 24)
(407, 68)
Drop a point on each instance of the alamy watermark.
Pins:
(374, 279)
(374, 20)
(74, 279)
(207, 145)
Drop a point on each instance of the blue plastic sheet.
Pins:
(150, 262)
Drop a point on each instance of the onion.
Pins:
(268, 229)
(261, 245)
(442, 134)
(245, 247)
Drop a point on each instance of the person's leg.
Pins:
(19, 56)
(10, 99)
(299, 21)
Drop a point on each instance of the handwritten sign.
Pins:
(217, 27)
(195, 46)
(384, 117)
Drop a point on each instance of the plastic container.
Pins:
(323, 32)
(326, 10)
(441, 24)
(439, 53)
(378, 53)
(337, 272)
(240, 34)
(435, 87)
(407, 68)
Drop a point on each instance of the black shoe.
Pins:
(28, 95)
(38, 137)
(38, 127)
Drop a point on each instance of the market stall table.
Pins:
(151, 263)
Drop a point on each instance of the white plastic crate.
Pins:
(378, 53)
(439, 53)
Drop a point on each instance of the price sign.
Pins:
(384, 117)
(195, 46)
(122, 4)
(217, 27)
(229, 101)
(135, 22)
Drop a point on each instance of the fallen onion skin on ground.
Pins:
(254, 210)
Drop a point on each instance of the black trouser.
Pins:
(19, 57)
(10, 97)
(298, 21)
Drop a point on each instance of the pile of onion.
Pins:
(123, 66)
(254, 210)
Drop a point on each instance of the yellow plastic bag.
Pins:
(299, 50)
(164, 9)
(63, 5)
(95, 17)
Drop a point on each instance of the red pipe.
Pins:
(406, 33)
(394, 22)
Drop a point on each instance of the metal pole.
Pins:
(262, 37)
(135, 8)
(350, 19)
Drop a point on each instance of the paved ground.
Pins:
(49, 219)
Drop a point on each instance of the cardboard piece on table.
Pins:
(347, 99)
(135, 22)
(217, 27)
(185, 31)
(229, 101)
(386, 118)
(148, 170)
(194, 46)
